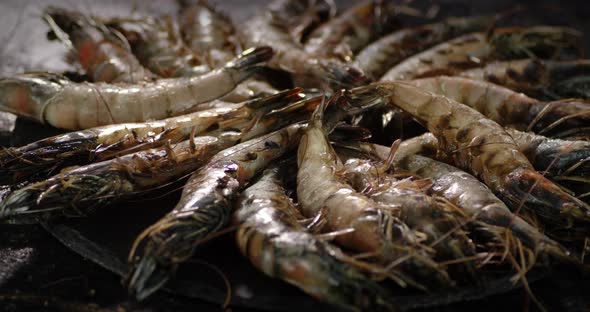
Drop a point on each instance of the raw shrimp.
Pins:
(475, 49)
(207, 32)
(271, 236)
(300, 25)
(352, 30)
(158, 46)
(484, 148)
(513, 109)
(211, 35)
(54, 100)
(264, 28)
(104, 54)
(204, 208)
(465, 191)
(79, 191)
(367, 226)
(539, 78)
(41, 158)
(435, 220)
(378, 57)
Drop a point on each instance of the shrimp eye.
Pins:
(271, 144)
(51, 35)
(251, 156)
(231, 168)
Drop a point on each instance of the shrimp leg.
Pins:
(441, 228)
(79, 191)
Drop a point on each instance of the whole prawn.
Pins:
(104, 54)
(265, 29)
(271, 236)
(346, 34)
(204, 208)
(567, 117)
(158, 45)
(475, 49)
(482, 147)
(367, 225)
(79, 191)
(49, 155)
(538, 78)
(378, 57)
(465, 191)
(52, 99)
(211, 35)
(440, 226)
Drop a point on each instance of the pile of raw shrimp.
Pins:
(353, 155)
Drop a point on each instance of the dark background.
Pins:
(37, 272)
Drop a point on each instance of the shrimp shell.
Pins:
(265, 29)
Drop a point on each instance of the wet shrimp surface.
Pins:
(227, 155)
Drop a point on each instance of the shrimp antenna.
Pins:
(226, 282)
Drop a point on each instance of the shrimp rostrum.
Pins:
(271, 236)
(482, 147)
(54, 100)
